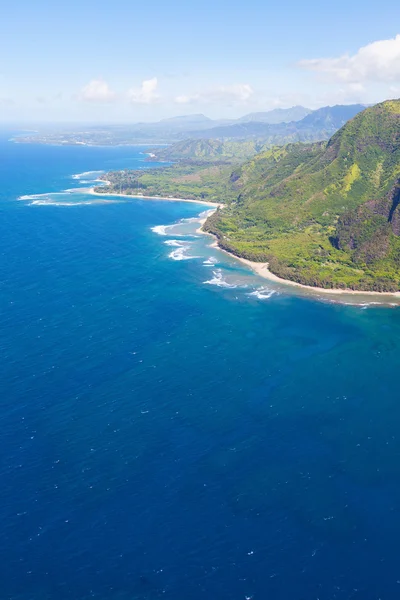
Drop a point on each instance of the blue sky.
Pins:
(129, 61)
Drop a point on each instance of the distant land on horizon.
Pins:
(277, 126)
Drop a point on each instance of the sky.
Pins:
(129, 61)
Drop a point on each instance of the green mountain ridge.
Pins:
(209, 150)
(250, 138)
(323, 214)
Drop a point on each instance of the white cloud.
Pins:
(379, 61)
(343, 94)
(186, 99)
(146, 94)
(231, 94)
(97, 90)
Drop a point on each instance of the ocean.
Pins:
(172, 426)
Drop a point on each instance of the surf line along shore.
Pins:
(260, 269)
(168, 199)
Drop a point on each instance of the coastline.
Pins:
(262, 270)
(92, 192)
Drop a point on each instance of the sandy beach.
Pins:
(262, 270)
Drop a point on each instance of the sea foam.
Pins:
(160, 229)
(218, 280)
(79, 203)
(180, 253)
(263, 293)
(210, 262)
(34, 196)
(86, 174)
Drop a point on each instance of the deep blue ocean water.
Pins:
(179, 429)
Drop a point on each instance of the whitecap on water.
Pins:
(206, 213)
(86, 174)
(188, 220)
(35, 196)
(173, 243)
(219, 280)
(210, 262)
(186, 227)
(50, 202)
(181, 250)
(161, 229)
(263, 293)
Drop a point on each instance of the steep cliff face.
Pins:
(325, 214)
(366, 231)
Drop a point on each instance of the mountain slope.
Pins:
(331, 117)
(253, 137)
(277, 115)
(323, 214)
(209, 150)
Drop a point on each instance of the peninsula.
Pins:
(320, 214)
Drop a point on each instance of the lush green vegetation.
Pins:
(323, 214)
(195, 181)
(210, 150)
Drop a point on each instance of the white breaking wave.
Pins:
(176, 230)
(48, 195)
(263, 293)
(181, 250)
(188, 220)
(33, 196)
(179, 254)
(206, 213)
(63, 199)
(85, 202)
(364, 305)
(163, 230)
(174, 243)
(86, 174)
(210, 262)
(160, 229)
(219, 280)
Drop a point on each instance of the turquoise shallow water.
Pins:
(173, 429)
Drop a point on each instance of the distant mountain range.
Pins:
(278, 115)
(201, 122)
(272, 127)
(324, 121)
(243, 140)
